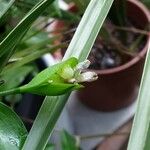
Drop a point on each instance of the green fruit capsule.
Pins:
(52, 81)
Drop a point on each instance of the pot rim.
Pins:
(139, 56)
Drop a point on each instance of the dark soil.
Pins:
(103, 56)
(116, 51)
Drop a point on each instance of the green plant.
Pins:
(20, 44)
(118, 32)
(146, 2)
(52, 106)
(141, 121)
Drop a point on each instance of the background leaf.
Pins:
(146, 2)
(4, 10)
(68, 142)
(15, 77)
(12, 131)
(8, 45)
(88, 29)
(49, 147)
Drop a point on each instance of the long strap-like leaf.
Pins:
(4, 12)
(139, 139)
(79, 47)
(7, 46)
(88, 29)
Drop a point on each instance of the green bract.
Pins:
(51, 81)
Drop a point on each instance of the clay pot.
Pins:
(118, 87)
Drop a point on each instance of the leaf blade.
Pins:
(59, 104)
(49, 107)
(139, 133)
(12, 131)
(92, 21)
(7, 46)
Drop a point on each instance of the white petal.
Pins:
(83, 65)
(87, 77)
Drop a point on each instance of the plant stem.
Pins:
(8, 92)
(134, 30)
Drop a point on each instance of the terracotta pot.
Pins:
(118, 87)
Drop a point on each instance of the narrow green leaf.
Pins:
(139, 139)
(14, 77)
(29, 58)
(81, 4)
(12, 131)
(68, 16)
(7, 46)
(26, 5)
(5, 7)
(45, 122)
(68, 142)
(146, 2)
(50, 147)
(118, 12)
(147, 143)
(79, 47)
(88, 29)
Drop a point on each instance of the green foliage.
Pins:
(26, 5)
(68, 142)
(8, 45)
(81, 4)
(45, 122)
(79, 47)
(118, 12)
(52, 81)
(49, 147)
(15, 77)
(139, 139)
(12, 131)
(88, 30)
(5, 7)
(52, 11)
(146, 2)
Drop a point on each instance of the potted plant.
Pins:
(53, 81)
(120, 82)
(119, 75)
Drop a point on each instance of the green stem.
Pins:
(12, 91)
